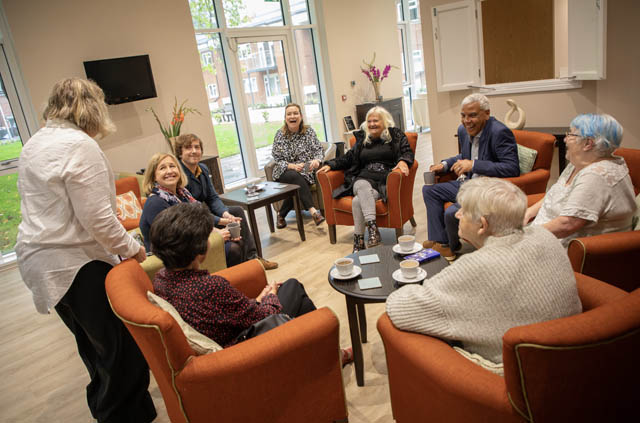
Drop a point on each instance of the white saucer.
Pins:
(416, 247)
(356, 271)
(397, 275)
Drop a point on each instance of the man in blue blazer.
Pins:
(487, 148)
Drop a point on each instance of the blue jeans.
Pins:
(442, 224)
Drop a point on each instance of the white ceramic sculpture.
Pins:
(514, 124)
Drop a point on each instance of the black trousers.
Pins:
(118, 391)
(294, 299)
(292, 177)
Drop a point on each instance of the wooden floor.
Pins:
(43, 378)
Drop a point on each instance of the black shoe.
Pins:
(358, 243)
(318, 218)
(281, 223)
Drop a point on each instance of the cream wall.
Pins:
(355, 29)
(53, 38)
(618, 95)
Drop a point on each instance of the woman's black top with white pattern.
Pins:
(297, 148)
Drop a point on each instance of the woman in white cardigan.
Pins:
(70, 238)
(515, 277)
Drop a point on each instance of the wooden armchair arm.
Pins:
(248, 277)
(290, 371)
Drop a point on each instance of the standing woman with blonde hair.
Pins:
(70, 238)
(379, 149)
(297, 153)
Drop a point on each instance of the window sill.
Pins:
(529, 86)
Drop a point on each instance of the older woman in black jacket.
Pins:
(379, 149)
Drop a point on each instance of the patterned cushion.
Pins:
(128, 206)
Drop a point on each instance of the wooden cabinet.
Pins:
(393, 106)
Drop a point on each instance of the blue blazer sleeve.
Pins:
(498, 155)
(152, 207)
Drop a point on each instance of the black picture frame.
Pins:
(349, 124)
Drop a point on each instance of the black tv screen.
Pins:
(123, 79)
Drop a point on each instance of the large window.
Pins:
(414, 81)
(13, 130)
(261, 58)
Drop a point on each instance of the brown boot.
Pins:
(318, 218)
(428, 244)
(444, 251)
(281, 223)
(373, 233)
(268, 265)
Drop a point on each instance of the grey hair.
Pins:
(387, 122)
(500, 202)
(477, 97)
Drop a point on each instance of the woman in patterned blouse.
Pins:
(297, 153)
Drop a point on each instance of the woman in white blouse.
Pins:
(298, 154)
(594, 193)
(70, 238)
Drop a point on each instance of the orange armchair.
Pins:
(392, 214)
(535, 181)
(578, 368)
(292, 373)
(124, 185)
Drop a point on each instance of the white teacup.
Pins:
(406, 242)
(234, 229)
(344, 266)
(409, 268)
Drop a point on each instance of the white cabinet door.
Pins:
(587, 38)
(455, 40)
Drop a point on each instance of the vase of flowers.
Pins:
(172, 130)
(375, 75)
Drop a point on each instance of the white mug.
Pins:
(409, 268)
(344, 266)
(406, 242)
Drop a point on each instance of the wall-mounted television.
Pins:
(123, 79)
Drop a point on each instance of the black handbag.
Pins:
(262, 326)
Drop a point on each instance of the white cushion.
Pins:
(527, 158)
(200, 343)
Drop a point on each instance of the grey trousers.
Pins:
(363, 206)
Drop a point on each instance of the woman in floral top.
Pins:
(594, 193)
(297, 153)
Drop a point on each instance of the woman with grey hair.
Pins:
(517, 276)
(594, 193)
(70, 238)
(380, 148)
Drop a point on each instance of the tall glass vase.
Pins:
(376, 90)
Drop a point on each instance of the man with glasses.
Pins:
(487, 148)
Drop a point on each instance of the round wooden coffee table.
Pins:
(357, 298)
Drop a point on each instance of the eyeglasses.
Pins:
(570, 134)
